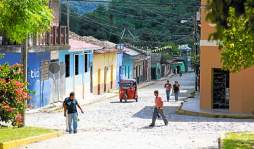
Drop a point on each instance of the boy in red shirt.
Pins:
(158, 109)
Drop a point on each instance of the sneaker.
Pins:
(166, 123)
(151, 125)
(75, 132)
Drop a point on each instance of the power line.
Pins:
(115, 27)
(133, 3)
(139, 40)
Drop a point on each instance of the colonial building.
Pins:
(222, 90)
(155, 66)
(44, 71)
(78, 64)
(136, 65)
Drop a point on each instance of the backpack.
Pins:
(71, 106)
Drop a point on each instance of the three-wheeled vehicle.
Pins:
(128, 90)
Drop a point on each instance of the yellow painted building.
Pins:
(104, 71)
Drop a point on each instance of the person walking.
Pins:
(168, 87)
(176, 88)
(180, 73)
(158, 109)
(71, 105)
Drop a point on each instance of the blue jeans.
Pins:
(73, 119)
(168, 95)
(176, 96)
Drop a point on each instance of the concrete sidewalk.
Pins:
(192, 107)
(91, 99)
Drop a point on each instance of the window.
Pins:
(86, 62)
(125, 70)
(128, 72)
(67, 66)
(76, 64)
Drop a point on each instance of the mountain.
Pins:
(86, 7)
(145, 23)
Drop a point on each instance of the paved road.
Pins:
(113, 125)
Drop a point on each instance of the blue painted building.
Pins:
(128, 63)
(135, 65)
(41, 88)
(78, 63)
(155, 66)
(119, 68)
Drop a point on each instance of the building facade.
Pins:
(155, 66)
(135, 65)
(42, 58)
(104, 71)
(78, 66)
(219, 89)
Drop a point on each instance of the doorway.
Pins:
(99, 81)
(105, 78)
(111, 76)
(153, 71)
(220, 89)
(91, 79)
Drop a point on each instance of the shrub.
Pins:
(13, 94)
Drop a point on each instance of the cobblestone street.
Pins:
(110, 124)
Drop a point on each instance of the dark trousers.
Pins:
(157, 112)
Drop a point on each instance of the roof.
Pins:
(155, 58)
(131, 52)
(94, 41)
(81, 45)
(127, 80)
(105, 50)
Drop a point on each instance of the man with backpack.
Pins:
(70, 107)
(176, 88)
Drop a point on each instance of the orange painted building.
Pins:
(221, 90)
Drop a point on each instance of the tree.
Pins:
(22, 18)
(238, 42)
(234, 21)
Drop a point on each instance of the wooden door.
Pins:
(111, 76)
(99, 81)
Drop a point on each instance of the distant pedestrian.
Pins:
(158, 109)
(180, 73)
(71, 105)
(176, 88)
(168, 88)
(174, 71)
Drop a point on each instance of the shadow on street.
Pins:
(170, 113)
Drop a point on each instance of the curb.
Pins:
(29, 140)
(180, 111)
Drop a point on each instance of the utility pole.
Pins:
(68, 13)
(196, 51)
(24, 57)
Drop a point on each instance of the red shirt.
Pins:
(168, 86)
(158, 102)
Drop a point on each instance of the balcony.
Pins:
(58, 36)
